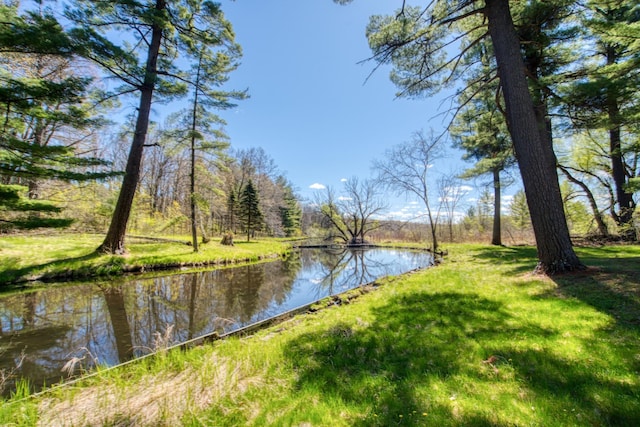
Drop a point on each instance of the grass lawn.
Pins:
(476, 341)
(74, 256)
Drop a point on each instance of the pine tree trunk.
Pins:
(194, 121)
(496, 238)
(535, 156)
(626, 205)
(114, 240)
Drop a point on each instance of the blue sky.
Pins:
(312, 108)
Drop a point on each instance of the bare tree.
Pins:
(352, 216)
(451, 191)
(405, 170)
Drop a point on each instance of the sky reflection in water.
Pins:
(108, 323)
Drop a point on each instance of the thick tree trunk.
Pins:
(114, 240)
(535, 157)
(496, 238)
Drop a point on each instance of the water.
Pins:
(94, 323)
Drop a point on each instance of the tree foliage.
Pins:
(249, 212)
(604, 95)
(156, 39)
(47, 111)
(418, 41)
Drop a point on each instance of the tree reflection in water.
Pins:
(110, 323)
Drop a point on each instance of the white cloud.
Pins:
(342, 198)
(343, 180)
(317, 186)
(399, 215)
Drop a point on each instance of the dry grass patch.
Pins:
(154, 400)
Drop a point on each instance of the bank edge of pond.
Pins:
(337, 300)
(119, 268)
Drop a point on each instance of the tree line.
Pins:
(59, 83)
(531, 78)
(546, 88)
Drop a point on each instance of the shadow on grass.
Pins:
(521, 259)
(577, 391)
(422, 347)
(59, 269)
(612, 287)
(389, 366)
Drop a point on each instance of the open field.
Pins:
(476, 341)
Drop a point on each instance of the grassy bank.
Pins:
(73, 256)
(477, 341)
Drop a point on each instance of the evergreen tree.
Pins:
(207, 74)
(161, 33)
(290, 211)
(20, 212)
(416, 40)
(249, 210)
(605, 95)
(480, 129)
(520, 211)
(42, 102)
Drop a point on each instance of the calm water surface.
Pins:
(109, 323)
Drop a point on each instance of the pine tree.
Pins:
(42, 102)
(249, 210)
(416, 41)
(290, 211)
(605, 96)
(520, 211)
(481, 130)
(162, 32)
(20, 212)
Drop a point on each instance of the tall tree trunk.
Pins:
(194, 121)
(38, 140)
(496, 238)
(114, 240)
(626, 205)
(535, 156)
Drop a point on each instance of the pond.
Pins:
(50, 334)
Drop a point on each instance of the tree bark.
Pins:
(114, 240)
(496, 238)
(626, 205)
(192, 189)
(535, 156)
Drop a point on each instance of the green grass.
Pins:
(476, 341)
(71, 256)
